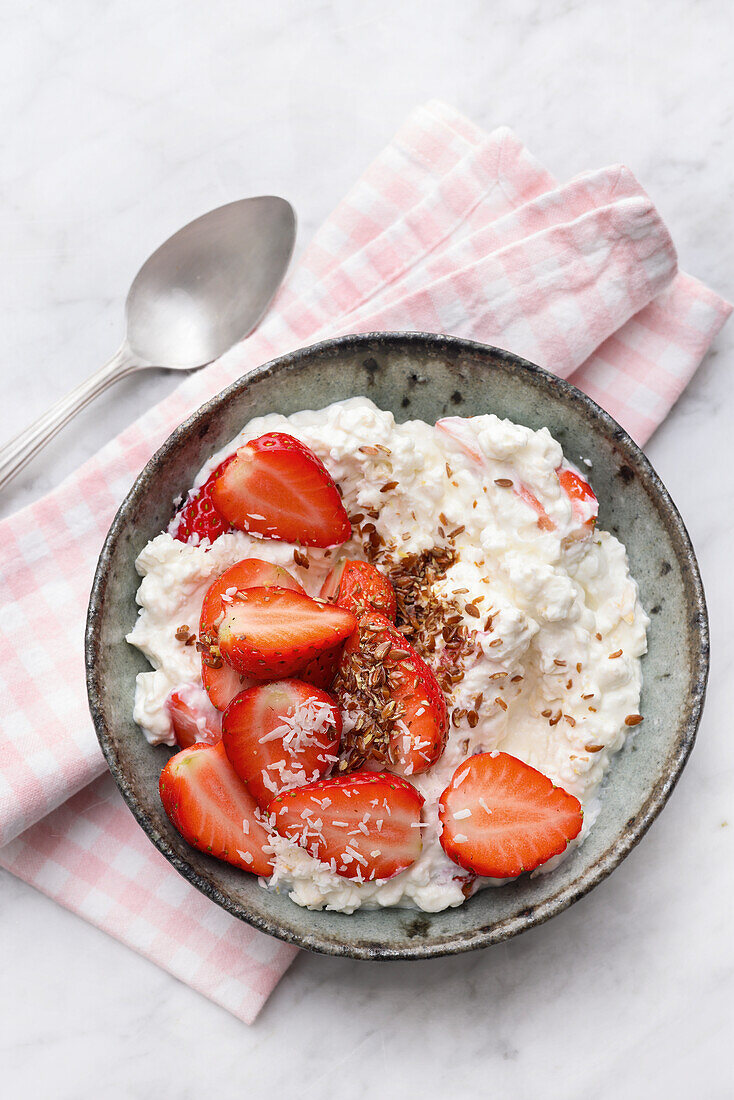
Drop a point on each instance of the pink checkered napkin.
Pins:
(449, 230)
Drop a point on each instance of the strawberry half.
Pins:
(420, 727)
(281, 735)
(222, 682)
(273, 632)
(198, 515)
(212, 808)
(365, 825)
(501, 817)
(248, 573)
(359, 587)
(191, 725)
(276, 487)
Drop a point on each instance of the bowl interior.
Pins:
(420, 376)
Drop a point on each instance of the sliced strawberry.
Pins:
(330, 587)
(501, 817)
(281, 735)
(420, 728)
(273, 632)
(221, 682)
(213, 809)
(191, 724)
(584, 504)
(248, 573)
(366, 825)
(276, 487)
(198, 516)
(359, 587)
(321, 670)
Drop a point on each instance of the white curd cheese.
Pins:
(559, 635)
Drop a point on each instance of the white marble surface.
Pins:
(122, 120)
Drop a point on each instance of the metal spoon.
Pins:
(197, 295)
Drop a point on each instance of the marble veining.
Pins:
(122, 121)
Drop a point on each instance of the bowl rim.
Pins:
(458, 942)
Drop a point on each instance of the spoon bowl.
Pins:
(210, 283)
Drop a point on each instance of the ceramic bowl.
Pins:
(419, 376)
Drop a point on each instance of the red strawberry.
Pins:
(198, 516)
(276, 487)
(248, 573)
(583, 501)
(419, 735)
(212, 808)
(281, 735)
(321, 670)
(190, 724)
(501, 817)
(273, 632)
(359, 587)
(221, 682)
(366, 825)
(330, 587)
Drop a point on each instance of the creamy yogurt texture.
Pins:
(557, 643)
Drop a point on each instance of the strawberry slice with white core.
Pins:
(248, 573)
(213, 810)
(277, 487)
(584, 504)
(281, 735)
(359, 587)
(420, 726)
(222, 682)
(502, 817)
(366, 825)
(269, 633)
(192, 724)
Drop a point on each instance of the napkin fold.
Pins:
(451, 230)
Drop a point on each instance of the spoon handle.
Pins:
(20, 450)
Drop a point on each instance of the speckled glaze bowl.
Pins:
(419, 376)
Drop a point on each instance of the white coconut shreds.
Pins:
(553, 617)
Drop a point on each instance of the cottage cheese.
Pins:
(562, 602)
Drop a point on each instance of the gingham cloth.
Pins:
(449, 230)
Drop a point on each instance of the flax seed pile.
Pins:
(432, 624)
